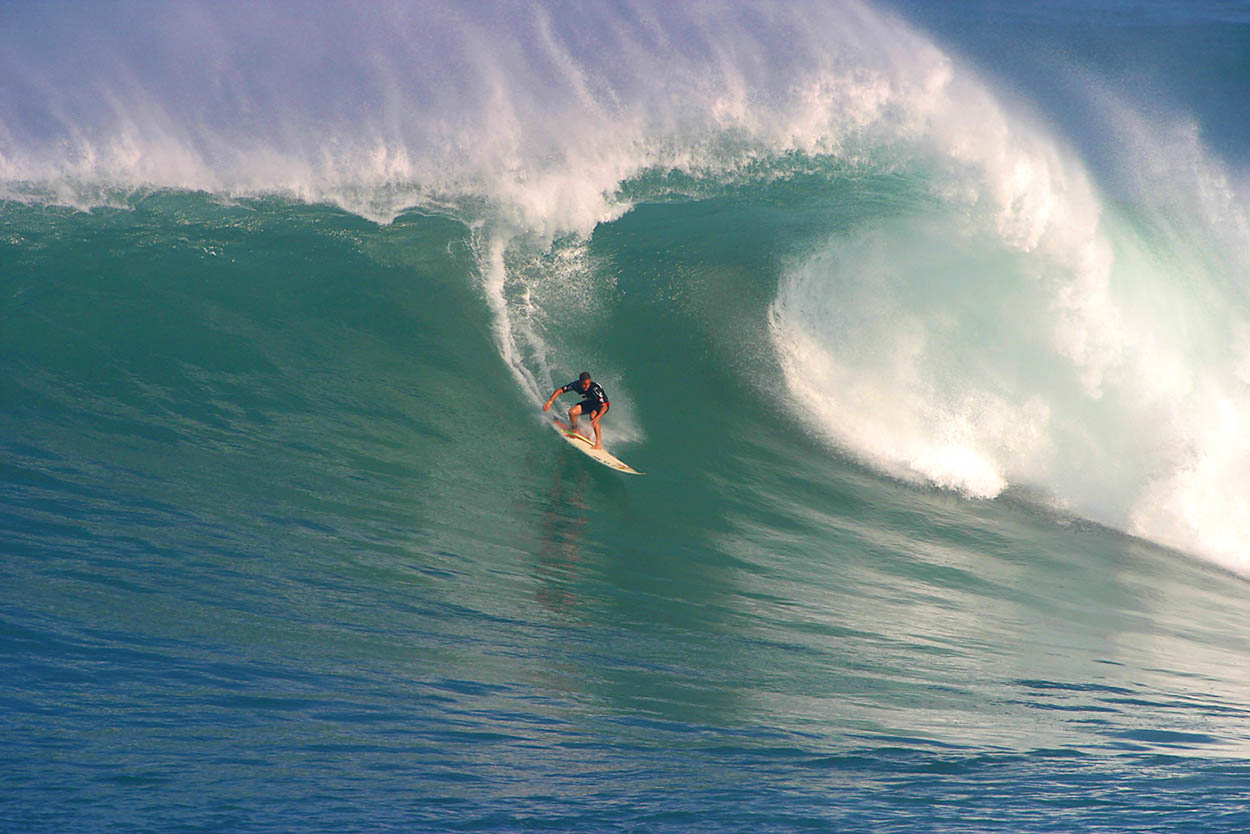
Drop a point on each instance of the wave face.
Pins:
(932, 334)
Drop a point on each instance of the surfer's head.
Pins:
(583, 379)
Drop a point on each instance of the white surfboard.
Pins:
(584, 444)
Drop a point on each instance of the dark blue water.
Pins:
(929, 326)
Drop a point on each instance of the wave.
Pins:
(981, 316)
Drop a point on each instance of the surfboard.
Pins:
(585, 445)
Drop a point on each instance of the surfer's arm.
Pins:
(552, 398)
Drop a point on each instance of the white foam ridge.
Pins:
(539, 109)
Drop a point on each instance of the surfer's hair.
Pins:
(583, 376)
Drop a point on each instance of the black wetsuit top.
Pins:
(593, 397)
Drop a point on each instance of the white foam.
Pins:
(539, 109)
(1024, 333)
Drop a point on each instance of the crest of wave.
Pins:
(535, 111)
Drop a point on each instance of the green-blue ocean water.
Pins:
(285, 545)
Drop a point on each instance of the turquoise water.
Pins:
(944, 524)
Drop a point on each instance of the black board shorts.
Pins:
(589, 406)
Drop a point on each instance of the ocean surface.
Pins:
(929, 323)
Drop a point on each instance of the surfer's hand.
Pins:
(547, 405)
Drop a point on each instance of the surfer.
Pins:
(594, 402)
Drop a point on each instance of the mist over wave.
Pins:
(541, 110)
(1005, 324)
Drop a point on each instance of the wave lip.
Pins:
(540, 110)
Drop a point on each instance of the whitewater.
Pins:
(929, 324)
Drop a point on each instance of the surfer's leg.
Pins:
(594, 421)
(573, 412)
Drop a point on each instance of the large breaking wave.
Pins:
(988, 320)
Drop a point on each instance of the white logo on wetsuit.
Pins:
(593, 394)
